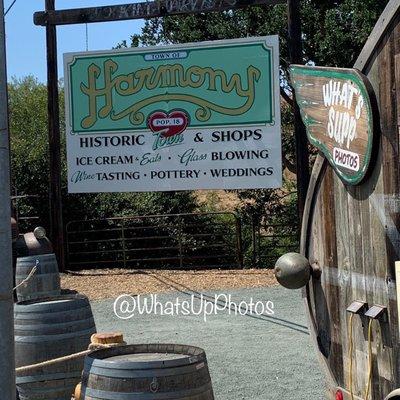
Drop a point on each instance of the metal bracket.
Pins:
(357, 307)
(316, 271)
(377, 312)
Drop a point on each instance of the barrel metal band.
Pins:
(143, 373)
(52, 338)
(101, 394)
(49, 377)
(26, 294)
(25, 314)
(49, 326)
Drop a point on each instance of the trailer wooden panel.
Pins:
(352, 234)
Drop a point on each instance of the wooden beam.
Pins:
(149, 9)
(55, 197)
(302, 154)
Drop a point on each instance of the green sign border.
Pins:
(367, 91)
(259, 41)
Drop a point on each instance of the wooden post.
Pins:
(7, 372)
(141, 10)
(56, 219)
(302, 154)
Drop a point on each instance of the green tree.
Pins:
(29, 145)
(334, 33)
(30, 167)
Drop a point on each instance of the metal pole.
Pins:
(254, 230)
(123, 240)
(7, 359)
(302, 154)
(239, 240)
(55, 196)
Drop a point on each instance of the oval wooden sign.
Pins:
(338, 108)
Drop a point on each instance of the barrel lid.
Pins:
(145, 356)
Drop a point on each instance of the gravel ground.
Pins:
(104, 284)
(250, 357)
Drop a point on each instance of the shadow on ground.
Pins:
(266, 357)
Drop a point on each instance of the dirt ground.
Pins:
(105, 284)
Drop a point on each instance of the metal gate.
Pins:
(181, 241)
(271, 241)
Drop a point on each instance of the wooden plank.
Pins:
(332, 291)
(313, 248)
(385, 334)
(295, 47)
(366, 230)
(142, 10)
(351, 290)
(344, 279)
(316, 176)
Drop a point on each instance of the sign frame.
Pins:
(270, 79)
(299, 75)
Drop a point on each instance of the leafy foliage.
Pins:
(29, 145)
(30, 167)
(334, 33)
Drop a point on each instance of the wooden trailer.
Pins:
(351, 239)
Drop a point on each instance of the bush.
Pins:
(30, 168)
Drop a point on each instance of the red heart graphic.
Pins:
(170, 124)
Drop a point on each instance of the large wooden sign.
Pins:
(140, 10)
(337, 109)
(185, 117)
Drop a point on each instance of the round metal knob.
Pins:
(293, 271)
(39, 232)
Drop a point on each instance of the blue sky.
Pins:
(26, 52)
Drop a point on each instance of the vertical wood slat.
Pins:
(382, 333)
(332, 292)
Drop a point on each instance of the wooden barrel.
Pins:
(45, 282)
(353, 235)
(49, 329)
(148, 372)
